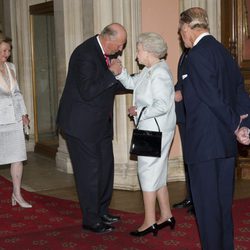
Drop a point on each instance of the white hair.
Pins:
(153, 43)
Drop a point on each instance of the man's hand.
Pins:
(242, 135)
(178, 96)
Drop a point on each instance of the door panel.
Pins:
(44, 77)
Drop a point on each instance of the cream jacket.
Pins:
(12, 106)
(153, 87)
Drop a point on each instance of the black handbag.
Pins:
(146, 142)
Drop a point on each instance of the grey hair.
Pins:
(109, 31)
(153, 43)
(195, 17)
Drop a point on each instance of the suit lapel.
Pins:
(4, 84)
(11, 77)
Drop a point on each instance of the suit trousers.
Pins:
(212, 185)
(181, 127)
(93, 166)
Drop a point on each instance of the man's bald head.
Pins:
(113, 38)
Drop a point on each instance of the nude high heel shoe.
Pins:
(22, 204)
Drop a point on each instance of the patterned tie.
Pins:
(107, 60)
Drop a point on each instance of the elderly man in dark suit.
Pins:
(85, 119)
(180, 120)
(215, 104)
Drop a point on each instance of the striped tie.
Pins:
(107, 60)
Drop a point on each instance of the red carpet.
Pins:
(55, 224)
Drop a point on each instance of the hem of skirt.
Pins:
(155, 189)
(12, 161)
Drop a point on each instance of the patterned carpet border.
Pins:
(55, 224)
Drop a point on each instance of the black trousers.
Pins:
(212, 186)
(93, 166)
(181, 127)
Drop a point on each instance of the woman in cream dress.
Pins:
(13, 116)
(152, 88)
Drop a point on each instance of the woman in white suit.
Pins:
(152, 88)
(13, 116)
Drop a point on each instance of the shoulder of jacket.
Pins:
(88, 47)
(162, 68)
(11, 65)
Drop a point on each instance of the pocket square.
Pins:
(184, 76)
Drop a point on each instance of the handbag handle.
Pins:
(140, 118)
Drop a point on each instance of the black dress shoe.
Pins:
(168, 223)
(183, 204)
(152, 229)
(109, 219)
(99, 227)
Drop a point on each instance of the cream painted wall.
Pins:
(162, 16)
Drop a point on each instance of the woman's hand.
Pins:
(132, 111)
(26, 120)
(116, 66)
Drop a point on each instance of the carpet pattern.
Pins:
(55, 224)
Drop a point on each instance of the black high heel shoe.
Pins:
(152, 229)
(168, 223)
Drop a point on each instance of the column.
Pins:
(128, 14)
(73, 25)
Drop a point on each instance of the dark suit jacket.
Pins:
(86, 106)
(214, 99)
(179, 106)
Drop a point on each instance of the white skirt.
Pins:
(152, 171)
(12, 143)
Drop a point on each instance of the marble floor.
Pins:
(40, 175)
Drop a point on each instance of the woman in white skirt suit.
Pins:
(152, 88)
(13, 116)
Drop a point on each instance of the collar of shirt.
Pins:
(98, 40)
(200, 37)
